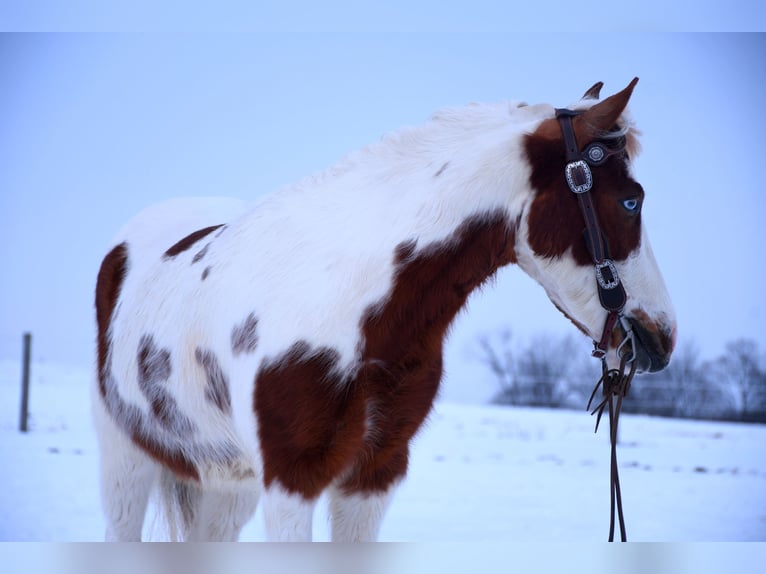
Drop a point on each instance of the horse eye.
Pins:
(631, 204)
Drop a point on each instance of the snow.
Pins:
(478, 474)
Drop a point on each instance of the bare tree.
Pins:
(683, 389)
(553, 371)
(687, 389)
(742, 371)
(496, 354)
(542, 367)
(545, 372)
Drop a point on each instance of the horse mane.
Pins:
(452, 124)
(445, 128)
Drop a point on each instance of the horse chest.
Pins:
(318, 423)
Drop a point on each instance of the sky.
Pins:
(508, 18)
(94, 127)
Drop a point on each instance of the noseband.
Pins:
(613, 382)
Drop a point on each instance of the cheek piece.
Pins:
(614, 383)
(579, 178)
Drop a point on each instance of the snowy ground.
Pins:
(477, 474)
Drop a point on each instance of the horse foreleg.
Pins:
(356, 517)
(359, 502)
(288, 515)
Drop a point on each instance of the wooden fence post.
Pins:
(27, 353)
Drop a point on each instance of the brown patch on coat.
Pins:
(187, 496)
(403, 340)
(405, 251)
(153, 363)
(109, 282)
(179, 453)
(205, 273)
(244, 337)
(317, 424)
(200, 254)
(136, 425)
(128, 417)
(217, 390)
(555, 221)
(310, 422)
(154, 370)
(174, 459)
(189, 240)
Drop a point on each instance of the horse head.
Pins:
(581, 236)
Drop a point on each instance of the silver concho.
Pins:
(596, 154)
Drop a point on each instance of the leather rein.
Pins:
(614, 383)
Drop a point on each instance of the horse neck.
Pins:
(427, 182)
(417, 188)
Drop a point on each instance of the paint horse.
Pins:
(293, 348)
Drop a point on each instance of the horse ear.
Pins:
(604, 115)
(594, 92)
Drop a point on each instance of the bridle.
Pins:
(579, 177)
(614, 383)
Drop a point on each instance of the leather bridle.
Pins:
(614, 383)
(579, 177)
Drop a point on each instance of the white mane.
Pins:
(446, 130)
(448, 134)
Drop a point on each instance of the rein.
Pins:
(614, 383)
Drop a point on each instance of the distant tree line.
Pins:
(557, 372)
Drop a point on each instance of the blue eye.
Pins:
(631, 204)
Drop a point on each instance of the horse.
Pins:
(290, 348)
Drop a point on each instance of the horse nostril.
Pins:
(666, 340)
(658, 362)
(655, 344)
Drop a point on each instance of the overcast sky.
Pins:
(95, 127)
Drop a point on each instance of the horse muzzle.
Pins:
(653, 343)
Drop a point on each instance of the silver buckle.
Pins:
(607, 284)
(579, 176)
